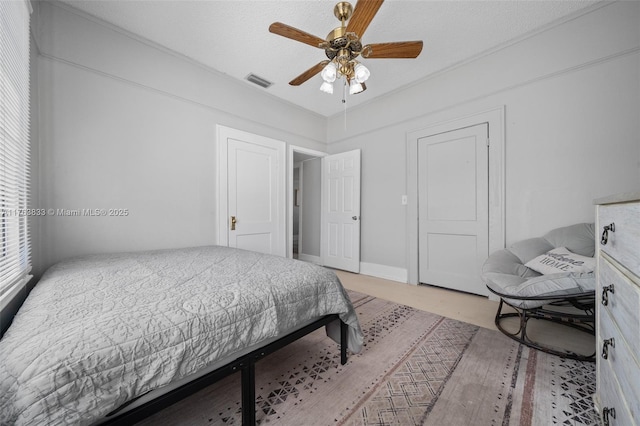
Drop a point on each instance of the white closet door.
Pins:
(453, 191)
(252, 192)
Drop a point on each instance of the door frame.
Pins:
(223, 133)
(292, 149)
(495, 120)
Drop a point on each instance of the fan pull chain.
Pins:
(344, 102)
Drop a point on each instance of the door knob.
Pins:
(233, 223)
(354, 217)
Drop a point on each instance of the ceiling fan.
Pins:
(344, 44)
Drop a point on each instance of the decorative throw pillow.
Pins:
(561, 260)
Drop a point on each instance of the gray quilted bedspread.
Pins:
(101, 330)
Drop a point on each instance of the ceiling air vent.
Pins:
(258, 80)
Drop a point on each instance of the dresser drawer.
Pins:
(610, 396)
(620, 361)
(623, 303)
(623, 244)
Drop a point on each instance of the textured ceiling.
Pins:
(233, 38)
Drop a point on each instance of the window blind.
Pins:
(15, 257)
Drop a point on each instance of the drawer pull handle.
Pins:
(605, 294)
(606, 412)
(605, 348)
(605, 233)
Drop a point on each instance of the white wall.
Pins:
(311, 207)
(124, 124)
(572, 104)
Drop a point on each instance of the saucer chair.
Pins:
(541, 277)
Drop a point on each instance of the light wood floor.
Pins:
(477, 310)
(465, 307)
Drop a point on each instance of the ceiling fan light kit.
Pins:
(361, 73)
(355, 87)
(343, 45)
(327, 87)
(329, 72)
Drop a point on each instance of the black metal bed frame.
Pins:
(245, 364)
(583, 322)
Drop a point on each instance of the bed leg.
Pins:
(248, 394)
(344, 329)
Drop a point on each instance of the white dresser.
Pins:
(617, 396)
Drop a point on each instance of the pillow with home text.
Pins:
(561, 260)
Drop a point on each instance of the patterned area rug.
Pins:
(417, 368)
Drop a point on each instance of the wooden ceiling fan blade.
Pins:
(399, 49)
(308, 73)
(288, 31)
(362, 16)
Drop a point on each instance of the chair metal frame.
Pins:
(583, 322)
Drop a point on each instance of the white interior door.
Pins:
(340, 239)
(453, 190)
(252, 192)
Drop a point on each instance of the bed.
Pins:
(102, 336)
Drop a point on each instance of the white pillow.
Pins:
(561, 260)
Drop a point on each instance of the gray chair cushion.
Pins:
(529, 249)
(579, 238)
(552, 285)
(504, 271)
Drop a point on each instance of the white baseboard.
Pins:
(383, 271)
(309, 258)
